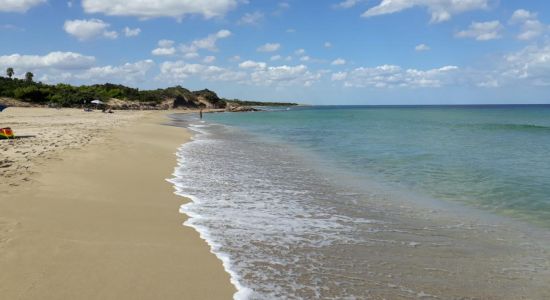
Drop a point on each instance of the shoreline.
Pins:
(417, 246)
(101, 221)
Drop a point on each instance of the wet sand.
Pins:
(86, 212)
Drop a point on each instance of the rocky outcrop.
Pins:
(242, 109)
(209, 99)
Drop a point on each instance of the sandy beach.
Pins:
(86, 212)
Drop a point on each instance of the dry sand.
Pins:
(86, 213)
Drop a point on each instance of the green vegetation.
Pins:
(257, 103)
(65, 95)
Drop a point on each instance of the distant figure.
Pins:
(200, 113)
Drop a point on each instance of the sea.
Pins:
(373, 202)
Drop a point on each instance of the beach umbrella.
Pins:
(97, 102)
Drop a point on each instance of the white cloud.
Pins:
(18, 5)
(284, 76)
(522, 15)
(235, 58)
(269, 47)
(394, 76)
(530, 26)
(130, 32)
(327, 44)
(208, 43)
(165, 43)
(89, 29)
(69, 4)
(300, 52)
(249, 64)
(482, 31)
(251, 18)
(422, 47)
(165, 47)
(126, 73)
(276, 57)
(163, 51)
(338, 62)
(531, 63)
(191, 55)
(177, 71)
(159, 8)
(291, 30)
(305, 58)
(52, 60)
(339, 76)
(347, 3)
(440, 10)
(209, 59)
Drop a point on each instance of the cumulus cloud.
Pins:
(482, 31)
(338, 62)
(165, 47)
(52, 60)
(284, 76)
(208, 43)
(347, 3)
(249, 64)
(130, 32)
(531, 64)
(177, 71)
(18, 5)
(422, 47)
(159, 8)
(128, 72)
(440, 10)
(89, 29)
(251, 18)
(385, 76)
(530, 26)
(191, 55)
(339, 76)
(269, 47)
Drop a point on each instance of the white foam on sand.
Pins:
(242, 291)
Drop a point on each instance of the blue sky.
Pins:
(315, 52)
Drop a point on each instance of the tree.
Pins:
(29, 76)
(9, 72)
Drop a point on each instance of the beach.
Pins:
(86, 211)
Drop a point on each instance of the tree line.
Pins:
(66, 95)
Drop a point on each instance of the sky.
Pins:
(312, 52)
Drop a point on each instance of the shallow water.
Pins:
(318, 208)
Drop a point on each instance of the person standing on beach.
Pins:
(200, 113)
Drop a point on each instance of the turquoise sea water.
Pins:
(373, 202)
(493, 157)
